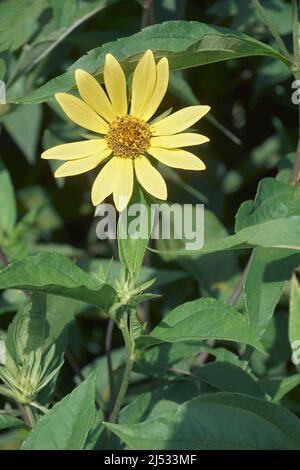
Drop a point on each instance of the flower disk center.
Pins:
(128, 136)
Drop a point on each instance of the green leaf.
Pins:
(186, 44)
(230, 378)
(8, 210)
(67, 16)
(294, 322)
(158, 402)
(29, 328)
(23, 125)
(166, 359)
(269, 273)
(67, 424)
(286, 385)
(214, 422)
(7, 422)
(18, 22)
(203, 319)
(56, 274)
(132, 239)
(2, 69)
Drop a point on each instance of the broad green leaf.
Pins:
(8, 211)
(56, 274)
(230, 378)
(133, 238)
(23, 125)
(214, 422)
(185, 43)
(202, 319)
(7, 421)
(67, 424)
(294, 322)
(269, 272)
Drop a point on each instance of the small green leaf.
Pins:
(7, 422)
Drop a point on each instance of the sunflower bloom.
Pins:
(127, 139)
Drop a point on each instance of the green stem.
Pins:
(268, 22)
(123, 390)
(129, 346)
(30, 416)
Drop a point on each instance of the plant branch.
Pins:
(268, 22)
(240, 285)
(129, 346)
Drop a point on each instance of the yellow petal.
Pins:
(143, 83)
(179, 121)
(150, 178)
(178, 140)
(80, 113)
(159, 90)
(93, 94)
(115, 83)
(104, 183)
(123, 183)
(177, 158)
(82, 165)
(75, 150)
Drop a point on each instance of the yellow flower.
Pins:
(126, 136)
